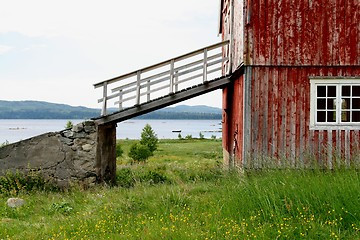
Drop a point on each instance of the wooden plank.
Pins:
(120, 100)
(104, 106)
(171, 90)
(138, 87)
(145, 80)
(299, 13)
(144, 93)
(180, 73)
(248, 93)
(217, 56)
(125, 99)
(270, 111)
(129, 90)
(156, 89)
(109, 97)
(161, 80)
(190, 78)
(209, 48)
(329, 149)
(280, 33)
(198, 75)
(124, 86)
(255, 114)
(292, 116)
(176, 81)
(116, 79)
(275, 112)
(262, 123)
(205, 65)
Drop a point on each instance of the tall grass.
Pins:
(182, 193)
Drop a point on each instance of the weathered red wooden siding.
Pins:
(232, 134)
(284, 42)
(303, 32)
(237, 36)
(280, 117)
(288, 41)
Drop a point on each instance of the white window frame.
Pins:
(338, 82)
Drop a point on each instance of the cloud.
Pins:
(82, 42)
(35, 58)
(83, 18)
(4, 49)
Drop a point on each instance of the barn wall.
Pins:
(303, 32)
(238, 35)
(233, 123)
(279, 116)
(282, 43)
(232, 28)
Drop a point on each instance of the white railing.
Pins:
(164, 78)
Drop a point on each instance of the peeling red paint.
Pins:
(301, 32)
(282, 43)
(280, 109)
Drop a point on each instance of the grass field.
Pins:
(183, 193)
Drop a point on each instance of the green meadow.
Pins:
(183, 192)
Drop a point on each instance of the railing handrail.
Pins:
(163, 63)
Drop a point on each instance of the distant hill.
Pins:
(43, 110)
(46, 110)
(184, 112)
(192, 109)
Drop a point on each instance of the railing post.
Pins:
(176, 81)
(148, 90)
(103, 110)
(138, 88)
(223, 51)
(120, 99)
(172, 76)
(205, 66)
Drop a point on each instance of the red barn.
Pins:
(295, 93)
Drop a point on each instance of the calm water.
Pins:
(14, 130)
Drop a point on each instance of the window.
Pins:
(335, 103)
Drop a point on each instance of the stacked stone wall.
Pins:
(63, 157)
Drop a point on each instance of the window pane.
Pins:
(321, 104)
(345, 91)
(356, 103)
(345, 103)
(356, 116)
(333, 108)
(331, 91)
(331, 103)
(321, 116)
(331, 116)
(321, 91)
(345, 116)
(356, 91)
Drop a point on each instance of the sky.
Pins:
(55, 50)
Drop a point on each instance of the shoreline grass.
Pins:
(183, 193)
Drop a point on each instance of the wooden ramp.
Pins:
(164, 84)
(164, 101)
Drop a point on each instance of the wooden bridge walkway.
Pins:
(164, 84)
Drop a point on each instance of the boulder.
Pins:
(15, 202)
